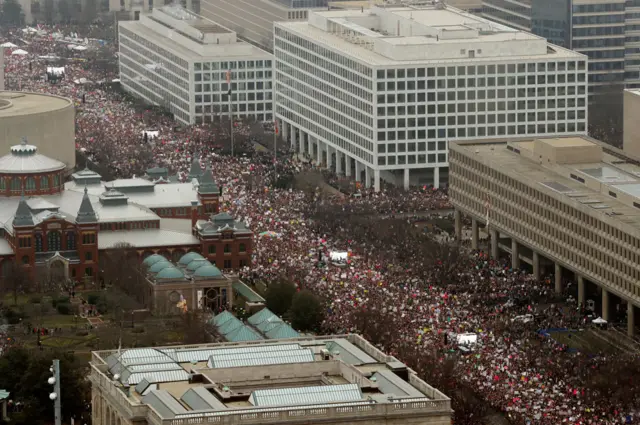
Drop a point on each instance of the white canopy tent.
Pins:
(599, 321)
(8, 44)
(20, 52)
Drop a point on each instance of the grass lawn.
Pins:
(62, 321)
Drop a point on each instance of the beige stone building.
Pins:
(328, 380)
(46, 121)
(571, 203)
(631, 122)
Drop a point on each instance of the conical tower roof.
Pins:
(23, 216)
(207, 184)
(196, 169)
(86, 213)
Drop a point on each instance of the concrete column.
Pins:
(436, 177)
(347, 165)
(307, 143)
(319, 153)
(558, 278)
(285, 131)
(580, 290)
(376, 180)
(457, 224)
(367, 176)
(536, 265)
(631, 319)
(407, 175)
(339, 156)
(515, 254)
(474, 233)
(605, 304)
(293, 139)
(358, 171)
(330, 151)
(494, 243)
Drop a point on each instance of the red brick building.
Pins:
(58, 230)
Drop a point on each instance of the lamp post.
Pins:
(55, 395)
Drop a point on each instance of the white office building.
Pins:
(179, 60)
(381, 91)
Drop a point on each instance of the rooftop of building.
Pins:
(24, 159)
(579, 169)
(191, 36)
(14, 104)
(265, 379)
(425, 33)
(633, 91)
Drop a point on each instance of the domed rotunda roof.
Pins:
(25, 159)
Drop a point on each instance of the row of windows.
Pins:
(231, 65)
(16, 185)
(597, 8)
(155, 66)
(237, 76)
(598, 19)
(450, 107)
(590, 32)
(227, 249)
(235, 97)
(156, 50)
(453, 71)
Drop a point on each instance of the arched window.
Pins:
(15, 184)
(56, 180)
(3, 184)
(44, 182)
(71, 240)
(227, 248)
(242, 248)
(53, 241)
(39, 247)
(31, 184)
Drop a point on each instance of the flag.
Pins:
(229, 81)
(276, 127)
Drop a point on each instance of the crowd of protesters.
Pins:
(416, 314)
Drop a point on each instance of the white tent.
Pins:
(80, 48)
(19, 52)
(339, 258)
(599, 321)
(151, 134)
(29, 30)
(8, 44)
(57, 71)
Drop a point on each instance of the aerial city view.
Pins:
(305, 212)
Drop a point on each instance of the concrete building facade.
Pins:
(379, 92)
(339, 380)
(179, 60)
(631, 122)
(44, 120)
(571, 203)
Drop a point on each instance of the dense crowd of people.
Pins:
(415, 313)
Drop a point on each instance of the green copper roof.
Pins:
(197, 263)
(207, 184)
(196, 169)
(189, 257)
(170, 273)
(152, 259)
(208, 271)
(159, 266)
(86, 213)
(243, 333)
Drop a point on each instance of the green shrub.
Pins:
(63, 308)
(59, 300)
(13, 316)
(82, 333)
(102, 306)
(138, 330)
(35, 299)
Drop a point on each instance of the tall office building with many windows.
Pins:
(607, 31)
(382, 90)
(179, 60)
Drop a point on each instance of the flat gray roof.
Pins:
(26, 103)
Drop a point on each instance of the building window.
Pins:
(56, 180)
(88, 271)
(242, 248)
(227, 264)
(88, 256)
(3, 184)
(227, 248)
(15, 184)
(39, 247)
(31, 183)
(71, 240)
(25, 259)
(88, 239)
(44, 182)
(53, 241)
(212, 249)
